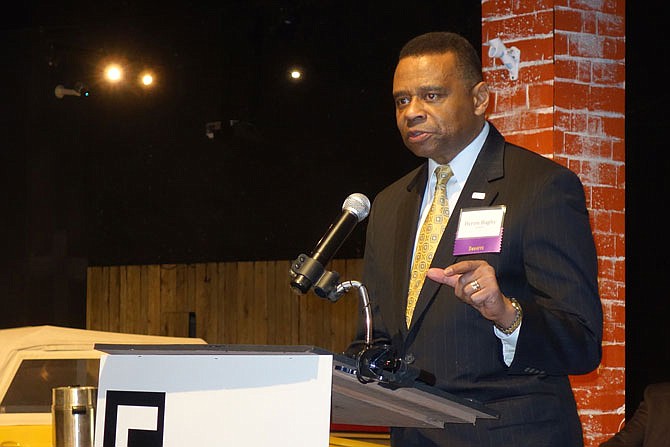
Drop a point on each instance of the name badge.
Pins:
(480, 230)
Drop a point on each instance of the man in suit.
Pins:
(650, 424)
(504, 316)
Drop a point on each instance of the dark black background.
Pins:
(129, 177)
(647, 163)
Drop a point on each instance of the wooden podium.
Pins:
(252, 395)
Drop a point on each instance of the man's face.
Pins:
(437, 113)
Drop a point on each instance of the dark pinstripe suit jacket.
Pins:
(547, 261)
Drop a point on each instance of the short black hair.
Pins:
(440, 42)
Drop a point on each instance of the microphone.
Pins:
(305, 270)
(354, 209)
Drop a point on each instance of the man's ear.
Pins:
(480, 97)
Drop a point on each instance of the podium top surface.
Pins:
(353, 402)
(166, 349)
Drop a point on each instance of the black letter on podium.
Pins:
(136, 437)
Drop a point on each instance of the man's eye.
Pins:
(432, 96)
(402, 101)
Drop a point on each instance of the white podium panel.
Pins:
(158, 398)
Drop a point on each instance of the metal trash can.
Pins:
(73, 415)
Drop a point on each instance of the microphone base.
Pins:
(381, 363)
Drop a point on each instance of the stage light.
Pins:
(113, 73)
(295, 75)
(124, 76)
(147, 79)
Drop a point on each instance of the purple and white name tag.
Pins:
(480, 230)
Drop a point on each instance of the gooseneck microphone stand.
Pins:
(373, 362)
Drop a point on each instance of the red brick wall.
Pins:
(568, 104)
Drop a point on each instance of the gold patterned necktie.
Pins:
(429, 237)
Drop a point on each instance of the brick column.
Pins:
(568, 104)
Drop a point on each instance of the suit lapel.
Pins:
(408, 216)
(487, 167)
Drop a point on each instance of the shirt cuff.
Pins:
(508, 343)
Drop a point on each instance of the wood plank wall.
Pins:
(226, 303)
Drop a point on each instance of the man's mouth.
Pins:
(417, 136)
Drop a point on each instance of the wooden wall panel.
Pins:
(142, 318)
(97, 297)
(259, 303)
(185, 290)
(168, 287)
(114, 293)
(243, 301)
(228, 294)
(206, 301)
(168, 298)
(129, 310)
(283, 308)
(233, 303)
(153, 284)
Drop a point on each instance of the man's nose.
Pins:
(415, 110)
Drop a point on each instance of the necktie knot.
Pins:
(443, 174)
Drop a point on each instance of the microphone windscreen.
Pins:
(358, 204)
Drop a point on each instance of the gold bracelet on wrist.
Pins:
(517, 321)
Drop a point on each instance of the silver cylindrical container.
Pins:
(73, 415)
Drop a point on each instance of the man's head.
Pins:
(439, 95)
